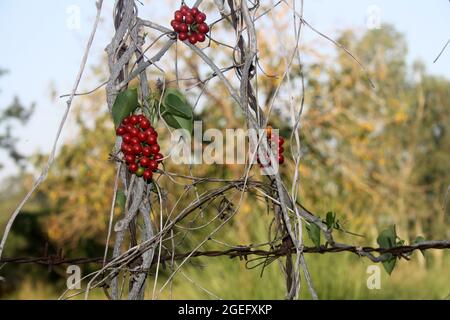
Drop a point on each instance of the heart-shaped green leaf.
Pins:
(176, 104)
(177, 122)
(389, 263)
(314, 233)
(125, 104)
(387, 238)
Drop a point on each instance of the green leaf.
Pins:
(177, 122)
(418, 239)
(314, 233)
(125, 104)
(121, 200)
(176, 104)
(331, 218)
(389, 264)
(387, 238)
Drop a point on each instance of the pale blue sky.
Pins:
(40, 51)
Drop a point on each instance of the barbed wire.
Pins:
(242, 252)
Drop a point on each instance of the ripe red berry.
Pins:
(137, 149)
(148, 175)
(134, 141)
(178, 16)
(121, 131)
(201, 37)
(193, 38)
(280, 141)
(133, 167)
(280, 150)
(140, 172)
(134, 120)
(129, 127)
(194, 11)
(200, 17)
(126, 121)
(203, 28)
(142, 136)
(144, 124)
(141, 117)
(123, 147)
(147, 151)
(280, 159)
(126, 138)
(183, 27)
(129, 158)
(184, 9)
(189, 18)
(159, 157)
(155, 148)
(150, 131)
(153, 165)
(145, 162)
(183, 36)
(152, 139)
(134, 132)
(174, 24)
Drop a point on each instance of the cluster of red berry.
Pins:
(270, 139)
(140, 146)
(190, 24)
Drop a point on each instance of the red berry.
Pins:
(148, 175)
(134, 141)
(137, 149)
(194, 11)
(155, 148)
(129, 127)
(121, 131)
(200, 17)
(193, 38)
(183, 36)
(153, 165)
(142, 136)
(147, 151)
(141, 117)
(159, 157)
(183, 28)
(152, 139)
(127, 138)
(189, 19)
(140, 172)
(184, 9)
(129, 158)
(178, 16)
(280, 150)
(134, 120)
(201, 37)
(126, 121)
(124, 147)
(203, 28)
(144, 124)
(155, 133)
(145, 162)
(280, 159)
(174, 24)
(134, 132)
(133, 167)
(280, 141)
